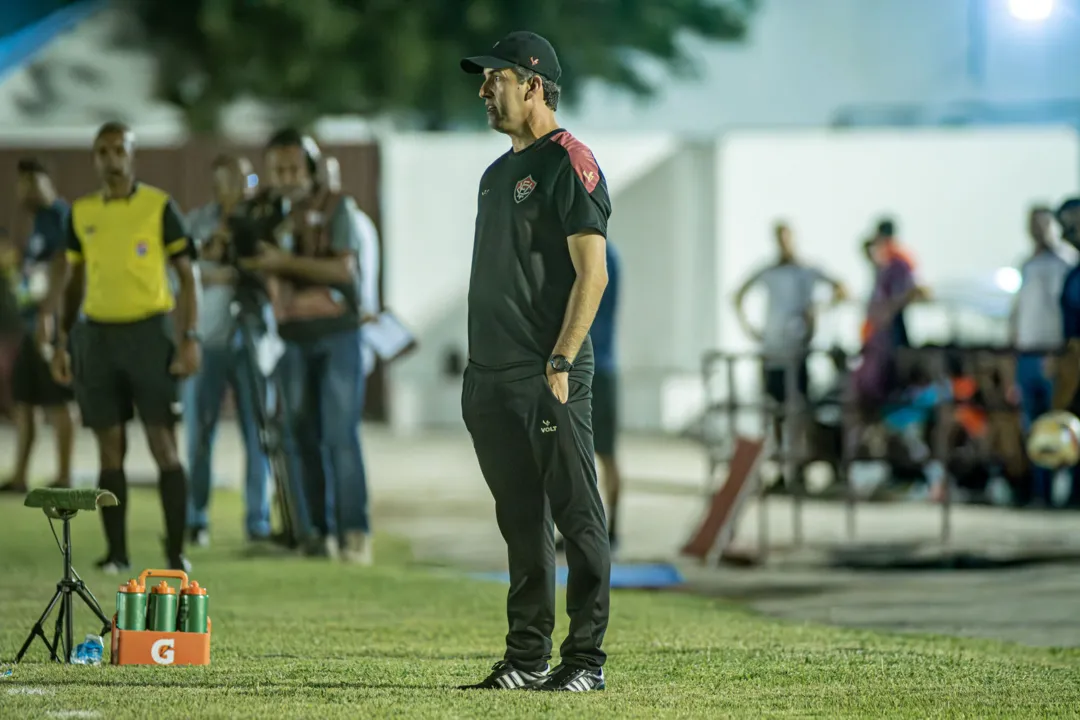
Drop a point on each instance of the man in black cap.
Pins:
(538, 273)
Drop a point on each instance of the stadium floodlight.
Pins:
(1031, 10)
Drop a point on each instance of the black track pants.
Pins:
(536, 455)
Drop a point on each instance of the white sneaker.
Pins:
(358, 549)
(201, 538)
(326, 547)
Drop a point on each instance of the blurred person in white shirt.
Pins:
(370, 305)
(1035, 329)
(790, 286)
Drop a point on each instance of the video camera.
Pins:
(254, 221)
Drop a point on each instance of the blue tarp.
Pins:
(27, 27)
(622, 576)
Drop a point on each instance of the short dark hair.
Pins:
(291, 137)
(286, 137)
(1067, 206)
(31, 166)
(113, 127)
(552, 91)
(887, 228)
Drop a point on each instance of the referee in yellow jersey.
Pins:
(128, 351)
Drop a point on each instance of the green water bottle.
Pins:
(131, 606)
(161, 615)
(193, 608)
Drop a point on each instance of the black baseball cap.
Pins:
(526, 49)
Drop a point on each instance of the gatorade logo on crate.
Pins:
(161, 652)
(161, 627)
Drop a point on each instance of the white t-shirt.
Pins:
(1037, 312)
(369, 278)
(790, 292)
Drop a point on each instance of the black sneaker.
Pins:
(567, 678)
(505, 676)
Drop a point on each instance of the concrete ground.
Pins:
(428, 489)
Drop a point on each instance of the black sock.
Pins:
(172, 487)
(114, 519)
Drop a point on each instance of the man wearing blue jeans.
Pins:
(1036, 329)
(225, 363)
(316, 291)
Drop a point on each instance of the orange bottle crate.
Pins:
(148, 647)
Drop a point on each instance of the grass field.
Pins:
(303, 638)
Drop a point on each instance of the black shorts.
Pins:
(31, 378)
(776, 381)
(121, 368)
(605, 415)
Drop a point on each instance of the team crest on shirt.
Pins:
(141, 249)
(524, 188)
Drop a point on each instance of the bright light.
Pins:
(1031, 10)
(1008, 279)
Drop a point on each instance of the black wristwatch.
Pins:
(560, 364)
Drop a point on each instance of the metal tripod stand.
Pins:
(269, 397)
(66, 589)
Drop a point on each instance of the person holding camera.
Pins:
(314, 278)
(226, 360)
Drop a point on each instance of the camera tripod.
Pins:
(66, 589)
(269, 422)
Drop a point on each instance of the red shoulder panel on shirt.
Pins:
(581, 159)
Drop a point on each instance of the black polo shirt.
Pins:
(528, 204)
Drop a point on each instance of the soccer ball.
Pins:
(1054, 441)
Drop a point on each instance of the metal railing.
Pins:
(792, 451)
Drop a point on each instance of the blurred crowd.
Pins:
(920, 420)
(241, 239)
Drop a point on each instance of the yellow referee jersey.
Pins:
(126, 244)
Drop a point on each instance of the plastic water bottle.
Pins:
(89, 652)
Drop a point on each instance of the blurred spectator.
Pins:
(10, 321)
(1067, 368)
(226, 362)
(318, 307)
(370, 303)
(789, 317)
(885, 331)
(1036, 332)
(33, 385)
